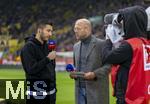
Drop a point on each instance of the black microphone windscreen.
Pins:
(108, 18)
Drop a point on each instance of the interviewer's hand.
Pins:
(72, 75)
(89, 75)
(52, 55)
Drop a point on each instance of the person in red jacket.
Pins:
(130, 71)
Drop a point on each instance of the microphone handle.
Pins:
(53, 61)
(53, 49)
(78, 74)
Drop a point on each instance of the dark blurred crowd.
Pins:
(18, 17)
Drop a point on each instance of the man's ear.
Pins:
(39, 31)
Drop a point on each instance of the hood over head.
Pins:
(33, 39)
(134, 21)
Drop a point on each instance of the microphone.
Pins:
(71, 68)
(51, 45)
(108, 18)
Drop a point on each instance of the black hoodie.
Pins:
(35, 62)
(135, 23)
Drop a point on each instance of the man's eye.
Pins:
(48, 30)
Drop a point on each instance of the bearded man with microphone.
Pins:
(91, 84)
(38, 60)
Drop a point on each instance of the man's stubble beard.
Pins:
(42, 36)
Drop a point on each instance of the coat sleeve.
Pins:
(29, 62)
(118, 55)
(102, 71)
(106, 49)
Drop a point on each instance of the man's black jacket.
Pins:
(35, 62)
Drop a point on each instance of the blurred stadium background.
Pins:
(18, 18)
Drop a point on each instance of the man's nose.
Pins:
(76, 31)
(50, 34)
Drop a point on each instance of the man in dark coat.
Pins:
(39, 63)
(134, 22)
(93, 88)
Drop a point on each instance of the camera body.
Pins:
(114, 30)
